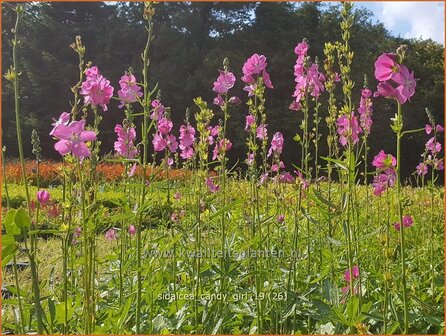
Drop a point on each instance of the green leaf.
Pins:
(10, 226)
(22, 220)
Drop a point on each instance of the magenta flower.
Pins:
(422, 168)
(280, 218)
(96, 89)
(159, 143)
(396, 81)
(301, 48)
(348, 128)
(130, 91)
(124, 145)
(132, 170)
(406, 81)
(111, 235)
(386, 67)
(429, 128)
(255, 66)
(213, 188)
(43, 196)
(262, 132)
(355, 271)
(64, 119)
(250, 159)
(164, 125)
(433, 146)
(221, 147)
(177, 196)
(132, 230)
(276, 144)
(225, 81)
(72, 139)
(234, 100)
(250, 120)
(287, 177)
(365, 111)
(187, 138)
(383, 160)
(219, 101)
(383, 181)
(407, 221)
(158, 110)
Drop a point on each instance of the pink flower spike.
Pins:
(355, 270)
(301, 48)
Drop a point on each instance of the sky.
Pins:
(410, 18)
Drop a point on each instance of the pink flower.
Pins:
(438, 164)
(348, 128)
(124, 145)
(43, 196)
(130, 91)
(132, 170)
(225, 81)
(287, 177)
(132, 230)
(406, 81)
(164, 125)
(383, 181)
(72, 139)
(172, 143)
(433, 146)
(276, 167)
(219, 101)
(174, 217)
(111, 234)
(397, 226)
(355, 271)
(250, 159)
(407, 221)
(262, 132)
(386, 67)
(221, 148)
(254, 65)
(250, 120)
(187, 136)
(159, 143)
(422, 168)
(281, 218)
(295, 106)
(301, 48)
(439, 128)
(158, 110)
(234, 100)
(365, 111)
(96, 89)
(386, 90)
(213, 188)
(177, 195)
(276, 144)
(187, 153)
(64, 119)
(383, 160)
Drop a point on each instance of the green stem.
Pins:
(400, 216)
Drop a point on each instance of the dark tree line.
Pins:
(190, 43)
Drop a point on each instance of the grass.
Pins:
(316, 299)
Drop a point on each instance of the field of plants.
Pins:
(163, 236)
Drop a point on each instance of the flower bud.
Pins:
(43, 196)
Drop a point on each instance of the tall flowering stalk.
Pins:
(13, 75)
(222, 85)
(348, 130)
(256, 78)
(149, 11)
(398, 83)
